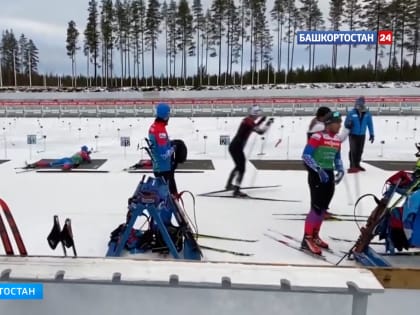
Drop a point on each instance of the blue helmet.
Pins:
(85, 148)
(163, 111)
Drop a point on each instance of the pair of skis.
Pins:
(62, 235)
(226, 251)
(295, 243)
(15, 231)
(407, 253)
(217, 194)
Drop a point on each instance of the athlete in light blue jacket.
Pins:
(357, 120)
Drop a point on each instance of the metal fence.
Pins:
(200, 107)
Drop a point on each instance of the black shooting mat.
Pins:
(393, 165)
(278, 165)
(196, 165)
(96, 163)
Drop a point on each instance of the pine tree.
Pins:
(352, 12)
(245, 14)
(235, 40)
(122, 32)
(9, 57)
(33, 57)
(152, 30)
(310, 13)
(185, 35)
(107, 33)
(138, 10)
(413, 26)
(72, 47)
(218, 9)
(293, 20)
(231, 18)
(278, 14)
(172, 37)
(92, 36)
(198, 26)
(335, 17)
(374, 12)
(23, 54)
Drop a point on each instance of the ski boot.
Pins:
(238, 193)
(309, 244)
(318, 241)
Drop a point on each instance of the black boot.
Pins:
(229, 185)
(238, 193)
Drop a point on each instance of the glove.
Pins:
(269, 122)
(169, 153)
(371, 138)
(339, 176)
(340, 171)
(323, 176)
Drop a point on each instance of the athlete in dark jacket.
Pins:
(236, 148)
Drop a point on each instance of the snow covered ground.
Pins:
(96, 203)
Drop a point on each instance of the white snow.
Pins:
(97, 203)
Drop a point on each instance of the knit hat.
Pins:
(360, 104)
(322, 111)
(332, 117)
(163, 111)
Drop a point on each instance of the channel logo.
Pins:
(383, 37)
(21, 291)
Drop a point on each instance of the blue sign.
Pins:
(336, 37)
(21, 291)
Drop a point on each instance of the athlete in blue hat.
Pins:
(161, 148)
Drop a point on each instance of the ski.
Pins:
(25, 170)
(332, 218)
(293, 238)
(225, 238)
(7, 245)
(331, 213)
(242, 188)
(226, 251)
(70, 171)
(297, 247)
(182, 220)
(252, 198)
(12, 224)
(338, 239)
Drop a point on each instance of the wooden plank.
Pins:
(398, 278)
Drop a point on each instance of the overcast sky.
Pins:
(45, 22)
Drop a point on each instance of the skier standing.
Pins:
(161, 148)
(357, 120)
(236, 148)
(321, 156)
